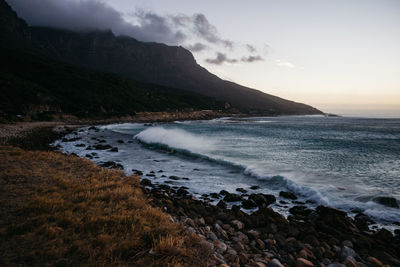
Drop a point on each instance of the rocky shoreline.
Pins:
(321, 237)
(308, 237)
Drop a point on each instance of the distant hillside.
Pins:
(157, 63)
(153, 63)
(41, 88)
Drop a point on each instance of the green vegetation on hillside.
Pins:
(38, 87)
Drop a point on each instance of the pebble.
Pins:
(237, 224)
(275, 263)
(301, 262)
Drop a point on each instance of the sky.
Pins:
(337, 55)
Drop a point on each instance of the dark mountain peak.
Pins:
(13, 30)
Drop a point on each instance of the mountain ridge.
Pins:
(155, 63)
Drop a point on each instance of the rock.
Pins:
(262, 200)
(102, 147)
(212, 236)
(182, 191)
(350, 262)
(374, 262)
(137, 172)
(362, 221)
(240, 237)
(347, 243)
(324, 211)
(260, 244)
(173, 177)
(346, 252)
(288, 195)
(146, 182)
(254, 187)
(300, 262)
(221, 204)
(80, 145)
(232, 197)
(120, 141)
(243, 258)
(249, 204)
(253, 234)
(238, 225)
(383, 235)
(336, 264)
(271, 228)
(223, 265)
(220, 246)
(300, 211)
(275, 263)
(221, 231)
(387, 201)
(114, 149)
(260, 264)
(224, 192)
(111, 165)
(241, 190)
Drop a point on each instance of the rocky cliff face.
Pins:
(147, 62)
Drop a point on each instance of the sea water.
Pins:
(337, 161)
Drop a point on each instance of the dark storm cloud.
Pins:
(207, 31)
(251, 59)
(197, 47)
(220, 59)
(95, 14)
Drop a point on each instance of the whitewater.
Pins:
(340, 162)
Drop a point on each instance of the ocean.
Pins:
(342, 162)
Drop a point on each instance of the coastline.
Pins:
(266, 238)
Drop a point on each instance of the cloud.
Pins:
(197, 47)
(220, 59)
(251, 59)
(281, 63)
(95, 14)
(251, 48)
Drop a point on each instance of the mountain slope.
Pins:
(146, 62)
(156, 63)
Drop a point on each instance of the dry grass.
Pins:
(60, 210)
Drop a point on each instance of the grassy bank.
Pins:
(63, 210)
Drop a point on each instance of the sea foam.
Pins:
(175, 139)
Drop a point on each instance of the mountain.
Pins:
(39, 87)
(154, 63)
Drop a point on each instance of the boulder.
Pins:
(249, 204)
(387, 201)
(232, 197)
(241, 190)
(300, 211)
(254, 187)
(288, 195)
(111, 165)
(221, 204)
(262, 200)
